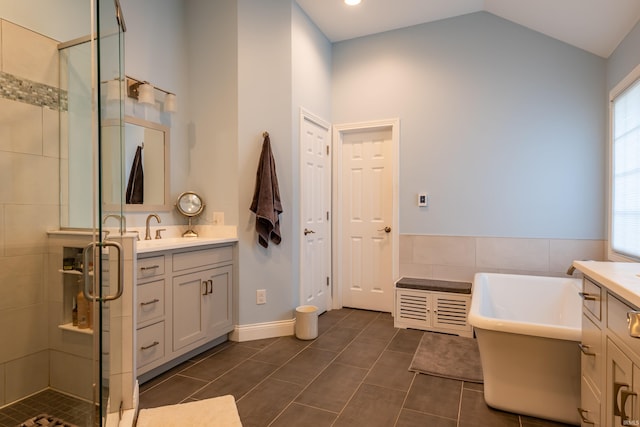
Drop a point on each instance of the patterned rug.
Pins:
(45, 420)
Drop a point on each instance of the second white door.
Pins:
(315, 257)
(367, 219)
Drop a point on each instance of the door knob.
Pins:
(308, 231)
(387, 229)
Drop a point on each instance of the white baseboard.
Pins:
(258, 331)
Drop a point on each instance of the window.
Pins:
(624, 234)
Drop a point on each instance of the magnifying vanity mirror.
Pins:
(190, 205)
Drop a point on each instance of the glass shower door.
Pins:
(115, 365)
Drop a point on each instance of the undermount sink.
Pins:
(168, 243)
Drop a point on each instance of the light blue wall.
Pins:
(155, 50)
(311, 59)
(502, 126)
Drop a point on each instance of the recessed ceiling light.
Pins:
(352, 2)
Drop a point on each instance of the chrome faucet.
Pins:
(122, 222)
(147, 234)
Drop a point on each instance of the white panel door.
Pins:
(367, 216)
(315, 259)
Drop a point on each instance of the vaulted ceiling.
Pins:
(597, 26)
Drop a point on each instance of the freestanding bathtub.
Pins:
(528, 329)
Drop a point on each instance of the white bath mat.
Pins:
(216, 412)
(448, 356)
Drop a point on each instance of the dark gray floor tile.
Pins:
(335, 339)
(265, 402)
(303, 368)
(220, 347)
(329, 319)
(281, 350)
(258, 344)
(474, 412)
(381, 328)
(217, 364)
(537, 422)
(301, 415)
(434, 395)
(392, 371)
(372, 406)
(406, 341)
(238, 381)
(173, 390)
(333, 388)
(473, 386)
(358, 319)
(362, 352)
(410, 418)
(165, 375)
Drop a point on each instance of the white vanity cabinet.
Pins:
(184, 300)
(610, 361)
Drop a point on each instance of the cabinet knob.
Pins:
(633, 323)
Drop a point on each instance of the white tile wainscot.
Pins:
(184, 300)
(433, 305)
(610, 360)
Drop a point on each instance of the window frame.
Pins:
(632, 78)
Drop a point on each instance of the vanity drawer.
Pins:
(617, 322)
(201, 258)
(591, 352)
(150, 301)
(150, 267)
(150, 343)
(592, 297)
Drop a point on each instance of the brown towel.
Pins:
(135, 187)
(266, 198)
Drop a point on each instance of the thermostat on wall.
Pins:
(423, 199)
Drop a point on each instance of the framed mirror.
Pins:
(145, 163)
(189, 204)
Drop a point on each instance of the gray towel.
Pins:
(135, 187)
(266, 198)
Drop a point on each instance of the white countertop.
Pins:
(622, 278)
(155, 245)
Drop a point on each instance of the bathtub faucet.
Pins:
(570, 270)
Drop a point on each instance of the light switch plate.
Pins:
(423, 199)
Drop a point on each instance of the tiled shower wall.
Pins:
(459, 258)
(29, 204)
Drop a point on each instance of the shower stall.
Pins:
(56, 60)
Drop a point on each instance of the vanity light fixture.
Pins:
(144, 92)
(170, 104)
(113, 90)
(352, 2)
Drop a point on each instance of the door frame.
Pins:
(339, 131)
(308, 116)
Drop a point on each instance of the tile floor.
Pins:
(354, 374)
(48, 402)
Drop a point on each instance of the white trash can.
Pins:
(307, 322)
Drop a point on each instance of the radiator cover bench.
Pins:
(433, 305)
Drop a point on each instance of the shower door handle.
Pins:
(90, 249)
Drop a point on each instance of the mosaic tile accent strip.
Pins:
(34, 93)
(45, 420)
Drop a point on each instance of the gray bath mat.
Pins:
(448, 356)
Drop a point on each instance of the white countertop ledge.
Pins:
(169, 243)
(621, 278)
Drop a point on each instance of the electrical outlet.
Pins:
(218, 218)
(261, 296)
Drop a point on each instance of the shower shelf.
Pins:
(70, 327)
